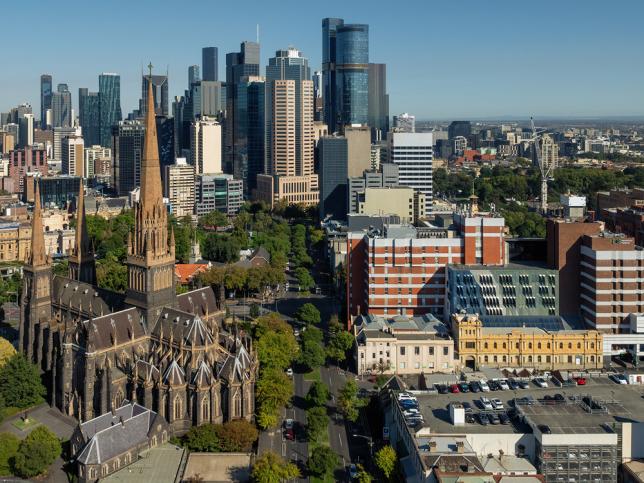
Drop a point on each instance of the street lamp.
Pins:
(369, 441)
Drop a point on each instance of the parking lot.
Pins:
(623, 401)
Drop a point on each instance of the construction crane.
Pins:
(544, 168)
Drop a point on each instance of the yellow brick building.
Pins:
(544, 343)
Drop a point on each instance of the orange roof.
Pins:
(186, 271)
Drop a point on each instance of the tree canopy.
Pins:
(36, 452)
(323, 461)
(272, 468)
(20, 384)
(386, 460)
(308, 314)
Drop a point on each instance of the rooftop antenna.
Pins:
(257, 33)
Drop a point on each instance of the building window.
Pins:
(402, 351)
(470, 345)
(485, 345)
(431, 351)
(495, 359)
(538, 345)
(578, 345)
(445, 351)
(417, 365)
(529, 345)
(373, 355)
(569, 359)
(417, 350)
(402, 365)
(505, 347)
(177, 408)
(495, 345)
(205, 409)
(569, 345)
(485, 358)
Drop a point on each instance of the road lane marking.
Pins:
(340, 439)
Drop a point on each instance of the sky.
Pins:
(445, 59)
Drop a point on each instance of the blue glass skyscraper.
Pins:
(89, 116)
(345, 66)
(109, 94)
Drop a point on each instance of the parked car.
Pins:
(497, 403)
(513, 384)
(353, 471)
(581, 381)
(485, 403)
(559, 397)
(463, 386)
(411, 412)
(618, 378)
(467, 407)
(406, 395)
(408, 404)
(475, 386)
(504, 418)
(442, 389)
(524, 384)
(494, 386)
(454, 388)
(469, 418)
(484, 386)
(540, 382)
(503, 384)
(289, 372)
(484, 419)
(289, 432)
(544, 428)
(494, 418)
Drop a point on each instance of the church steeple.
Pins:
(82, 266)
(35, 297)
(150, 255)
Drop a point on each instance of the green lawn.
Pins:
(314, 375)
(25, 425)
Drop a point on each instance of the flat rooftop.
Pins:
(159, 464)
(624, 403)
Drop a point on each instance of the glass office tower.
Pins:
(89, 117)
(209, 60)
(109, 95)
(45, 98)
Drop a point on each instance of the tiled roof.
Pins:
(108, 330)
(85, 297)
(174, 375)
(112, 434)
(199, 302)
(182, 326)
(186, 271)
(203, 376)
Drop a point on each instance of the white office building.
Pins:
(413, 153)
(205, 146)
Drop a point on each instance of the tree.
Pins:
(213, 220)
(304, 278)
(220, 248)
(20, 383)
(271, 468)
(9, 444)
(363, 475)
(323, 461)
(318, 394)
(308, 314)
(111, 273)
(312, 354)
(317, 422)
(237, 435)
(272, 392)
(386, 460)
(202, 438)
(340, 341)
(7, 351)
(36, 452)
(348, 401)
(254, 310)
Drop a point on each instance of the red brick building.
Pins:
(403, 270)
(23, 161)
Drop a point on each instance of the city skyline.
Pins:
(475, 62)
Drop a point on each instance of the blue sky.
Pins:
(445, 59)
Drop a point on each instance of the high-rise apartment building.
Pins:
(549, 154)
(61, 105)
(180, 187)
(73, 156)
(159, 93)
(23, 161)
(127, 148)
(221, 192)
(89, 116)
(345, 66)
(205, 146)
(405, 122)
(414, 154)
(239, 65)
(109, 93)
(97, 155)
(210, 63)
(46, 86)
(193, 74)
(61, 133)
(378, 102)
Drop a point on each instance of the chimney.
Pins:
(460, 447)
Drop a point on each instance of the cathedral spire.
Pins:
(82, 245)
(151, 195)
(37, 258)
(81, 262)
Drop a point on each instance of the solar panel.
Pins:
(549, 323)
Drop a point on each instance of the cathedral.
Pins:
(97, 348)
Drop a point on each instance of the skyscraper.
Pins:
(193, 74)
(89, 116)
(26, 129)
(205, 146)
(288, 64)
(251, 99)
(61, 105)
(459, 128)
(333, 154)
(345, 65)
(159, 92)
(127, 139)
(209, 63)
(239, 65)
(45, 98)
(109, 93)
(73, 156)
(378, 101)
